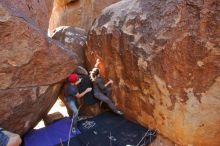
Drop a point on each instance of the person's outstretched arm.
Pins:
(108, 83)
(97, 63)
(79, 95)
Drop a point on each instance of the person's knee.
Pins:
(107, 100)
(101, 97)
(75, 111)
(73, 107)
(14, 140)
(109, 89)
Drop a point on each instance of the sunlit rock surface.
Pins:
(164, 58)
(39, 11)
(78, 13)
(72, 38)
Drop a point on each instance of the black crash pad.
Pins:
(109, 129)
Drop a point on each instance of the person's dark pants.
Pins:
(108, 92)
(88, 98)
(106, 97)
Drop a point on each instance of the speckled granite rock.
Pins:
(78, 13)
(73, 38)
(32, 68)
(164, 58)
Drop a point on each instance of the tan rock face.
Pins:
(164, 58)
(161, 141)
(36, 10)
(72, 38)
(32, 67)
(22, 108)
(78, 13)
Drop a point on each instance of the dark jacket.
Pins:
(86, 83)
(99, 86)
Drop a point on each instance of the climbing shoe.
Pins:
(74, 131)
(119, 112)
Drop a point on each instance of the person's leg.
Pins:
(69, 111)
(105, 99)
(14, 139)
(72, 105)
(109, 92)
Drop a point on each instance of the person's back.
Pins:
(99, 85)
(87, 83)
(70, 91)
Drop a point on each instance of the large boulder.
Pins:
(164, 58)
(162, 141)
(72, 38)
(36, 10)
(32, 68)
(79, 13)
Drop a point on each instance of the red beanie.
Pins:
(73, 78)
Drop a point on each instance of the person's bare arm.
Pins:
(108, 83)
(79, 95)
(79, 81)
(97, 63)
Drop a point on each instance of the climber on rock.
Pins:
(102, 91)
(88, 99)
(9, 139)
(71, 94)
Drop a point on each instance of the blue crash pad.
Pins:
(51, 135)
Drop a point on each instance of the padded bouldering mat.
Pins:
(51, 135)
(109, 129)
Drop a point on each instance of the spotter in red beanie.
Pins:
(73, 78)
